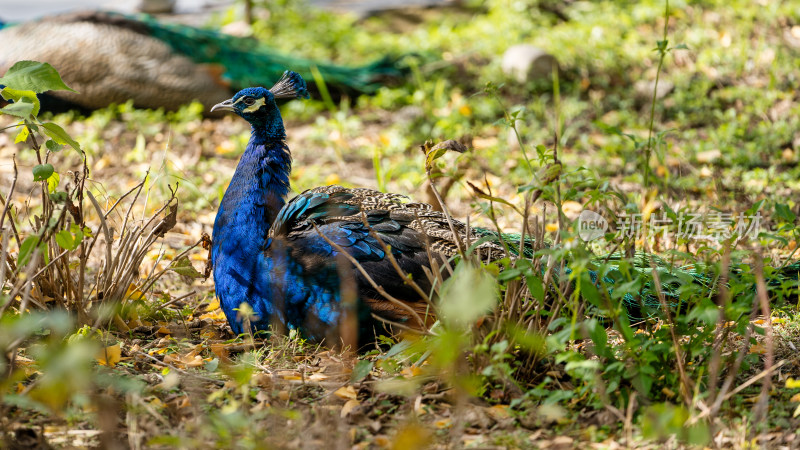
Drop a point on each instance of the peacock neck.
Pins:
(256, 193)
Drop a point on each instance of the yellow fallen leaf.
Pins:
(795, 398)
(551, 227)
(214, 305)
(791, 383)
(346, 392)
(134, 293)
(411, 371)
(443, 423)
(758, 348)
(348, 407)
(110, 355)
(317, 377)
(216, 315)
(498, 412)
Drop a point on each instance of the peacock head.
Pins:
(257, 104)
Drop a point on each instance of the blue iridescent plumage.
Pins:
(270, 255)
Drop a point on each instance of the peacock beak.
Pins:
(227, 105)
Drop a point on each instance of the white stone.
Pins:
(525, 62)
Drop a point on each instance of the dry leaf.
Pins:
(110, 355)
(134, 293)
(411, 371)
(317, 377)
(346, 392)
(443, 423)
(348, 407)
(758, 348)
(498, 412)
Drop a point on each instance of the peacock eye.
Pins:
(249, 101)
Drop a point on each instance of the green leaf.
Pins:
(361, 370)
(26, 250)
(34, 76)
(21, 96)
(60, 136)
(21, 109)
(598, 335)
(536, 286)
(58, 197)
(52, 182)
(184, 267)
(52, 145)
(42, 172)
(64, 240)
(784, 212)
(470, 293)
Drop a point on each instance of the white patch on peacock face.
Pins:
(255, 106)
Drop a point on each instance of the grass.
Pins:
(571, 369)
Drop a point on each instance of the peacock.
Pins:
(276, 263)
(283, 264)
(111, 58)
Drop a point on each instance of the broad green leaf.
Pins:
(64, 240)
(22, 136)
(26, 250)
(34, 76)
(52, 182)
(184, 267)
(42, 172)
(21, 109)
(598, 335)
(59, 135)
(784, 212)
(361, 370)
(21, 96)
(52, 145)
(470, 293)
(536, 286)
(59, 197)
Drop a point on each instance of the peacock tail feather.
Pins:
(112, 58)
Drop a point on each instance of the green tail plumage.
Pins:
(248, 62)
(113, 58)
(635, 282)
